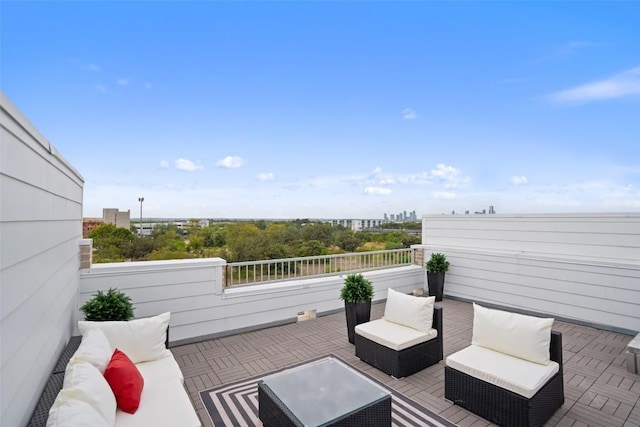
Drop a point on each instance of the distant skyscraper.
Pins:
(401, 216)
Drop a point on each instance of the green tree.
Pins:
(110, 242)
(347, 240)
(166, 253)
(244, 242)
(312, 248)
(322, 232)
(196, 243)
(213, 237)
(139, 248)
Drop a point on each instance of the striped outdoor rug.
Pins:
(236, 404)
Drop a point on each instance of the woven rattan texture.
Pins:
(53, 385)
(502, 406)
(68, 351)
(403, 363)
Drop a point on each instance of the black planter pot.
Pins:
(356, 313)
(436, 284)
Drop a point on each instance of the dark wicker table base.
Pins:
(273, 413)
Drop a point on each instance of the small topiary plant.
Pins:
(110, 305)
(356, 289)
(438, 263)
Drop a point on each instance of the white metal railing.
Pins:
(252, 272)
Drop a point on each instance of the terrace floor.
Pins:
(598, 389)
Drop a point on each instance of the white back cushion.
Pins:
(140, 339)
(408, 310)
(95, 349)
(85, 382)
(518, 335)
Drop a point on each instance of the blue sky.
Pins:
(334, 109)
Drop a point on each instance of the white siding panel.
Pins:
(584, 267)
(35, 203)
(35, 237)
(45, 270)
(41, 225)
(187, 288)
(606, 236)
(28, 157)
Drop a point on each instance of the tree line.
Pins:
(241, 241)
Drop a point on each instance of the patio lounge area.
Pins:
(576, 266)
(598, 389)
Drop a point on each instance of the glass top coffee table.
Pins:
(323, 393)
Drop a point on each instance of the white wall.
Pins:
(40, 227)
(192, 291)
(584, 267)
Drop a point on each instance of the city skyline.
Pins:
(334, 109)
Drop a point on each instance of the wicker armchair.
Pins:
(404, 362)
(505, 407)
(406, 340)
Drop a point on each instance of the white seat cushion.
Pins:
(160, 370)
(396, 337)
(509, 372)
(161, 404)
(408, 310)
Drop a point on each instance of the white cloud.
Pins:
(519, 180)
(377, 191)
(266, 176)
(448, 175)
(187, 165)
(626, 83)
(94, 68)
(567, 49)
(122, 82)
(409, 114)
(101, 88)
(164, 164)
(570, 47)
(230, 162)
(444, 195)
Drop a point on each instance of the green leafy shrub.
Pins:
(438, 263)
(110, 305)
(356, 289)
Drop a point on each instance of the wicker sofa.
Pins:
(91, 385)
(511, 374)
(406, 340)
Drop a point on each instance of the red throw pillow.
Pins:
(125, 381)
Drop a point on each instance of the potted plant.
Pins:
(436, 267)
(110, 305)
(356, 293)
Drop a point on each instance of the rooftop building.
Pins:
(582, 269)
